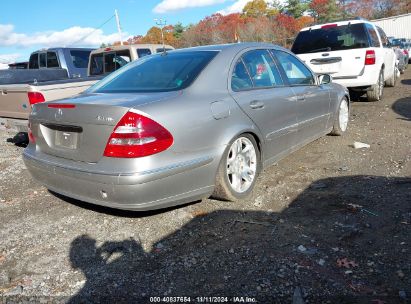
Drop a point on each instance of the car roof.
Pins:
(128, 47)
(338, 23)
(63, 48)
(231, 46)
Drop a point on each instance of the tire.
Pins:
(377, 89)
(391, 82)
(230, 184)
(341, 120)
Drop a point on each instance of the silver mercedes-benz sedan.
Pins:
(182, 126)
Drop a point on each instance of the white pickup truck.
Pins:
(19, 89)
(356, 53)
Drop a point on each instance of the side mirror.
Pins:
(325, 79)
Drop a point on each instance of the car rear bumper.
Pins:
(11, 124)
(151, 189)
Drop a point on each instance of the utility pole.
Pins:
(161, 23)
(118, 26)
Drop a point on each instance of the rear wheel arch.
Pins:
(223, 190)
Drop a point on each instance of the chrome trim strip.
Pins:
(313, 120)
(283, 131)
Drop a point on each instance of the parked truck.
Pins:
(52, 73)
(50, 81)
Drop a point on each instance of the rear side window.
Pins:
(175, 71)
(52, 61)
(384, 38)
(331, 38)
(34, 61)
(375, 42)
(80, 58)
(143, 52)
(240, 80)
(297, 73)
(42, 60)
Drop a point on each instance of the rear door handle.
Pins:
(300, 98)
(256, 104)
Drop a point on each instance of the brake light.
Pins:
(405, 52)
(136, 136)
(329, 25)
(61, 106)
(369, 57)
(35, 97)
(32, 139)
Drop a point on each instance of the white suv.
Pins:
(356, 53)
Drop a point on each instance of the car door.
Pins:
(259, 89)
(313, 101)
(389, 54)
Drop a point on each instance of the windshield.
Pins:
(156, 73)
(331, 38)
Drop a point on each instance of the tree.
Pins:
(178, 30)
(296, 8)
(154, 35)
(325, 10)
(258, 8)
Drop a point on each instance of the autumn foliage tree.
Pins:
(270, 21)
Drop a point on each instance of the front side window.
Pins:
(143, 52)
(297, 73)
(331, 38)
(175, 71)
(34, 61)
(42, 60)
(52, 61)
(262, 69)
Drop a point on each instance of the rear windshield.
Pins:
(157, 73)
(80, 58)
(331, 38)
(104, 63)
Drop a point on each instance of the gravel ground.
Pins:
(328, 224)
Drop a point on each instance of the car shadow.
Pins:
(116, 212)
(403, 107)
(342, 241)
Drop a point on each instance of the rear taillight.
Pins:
(369, 57)
(35, 97)
(31, 136)
(136, 136)
(405, 52)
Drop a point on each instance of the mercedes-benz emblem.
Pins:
(59, 114)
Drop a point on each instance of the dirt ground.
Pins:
(328, 224)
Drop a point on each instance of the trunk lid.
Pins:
(79, 128)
